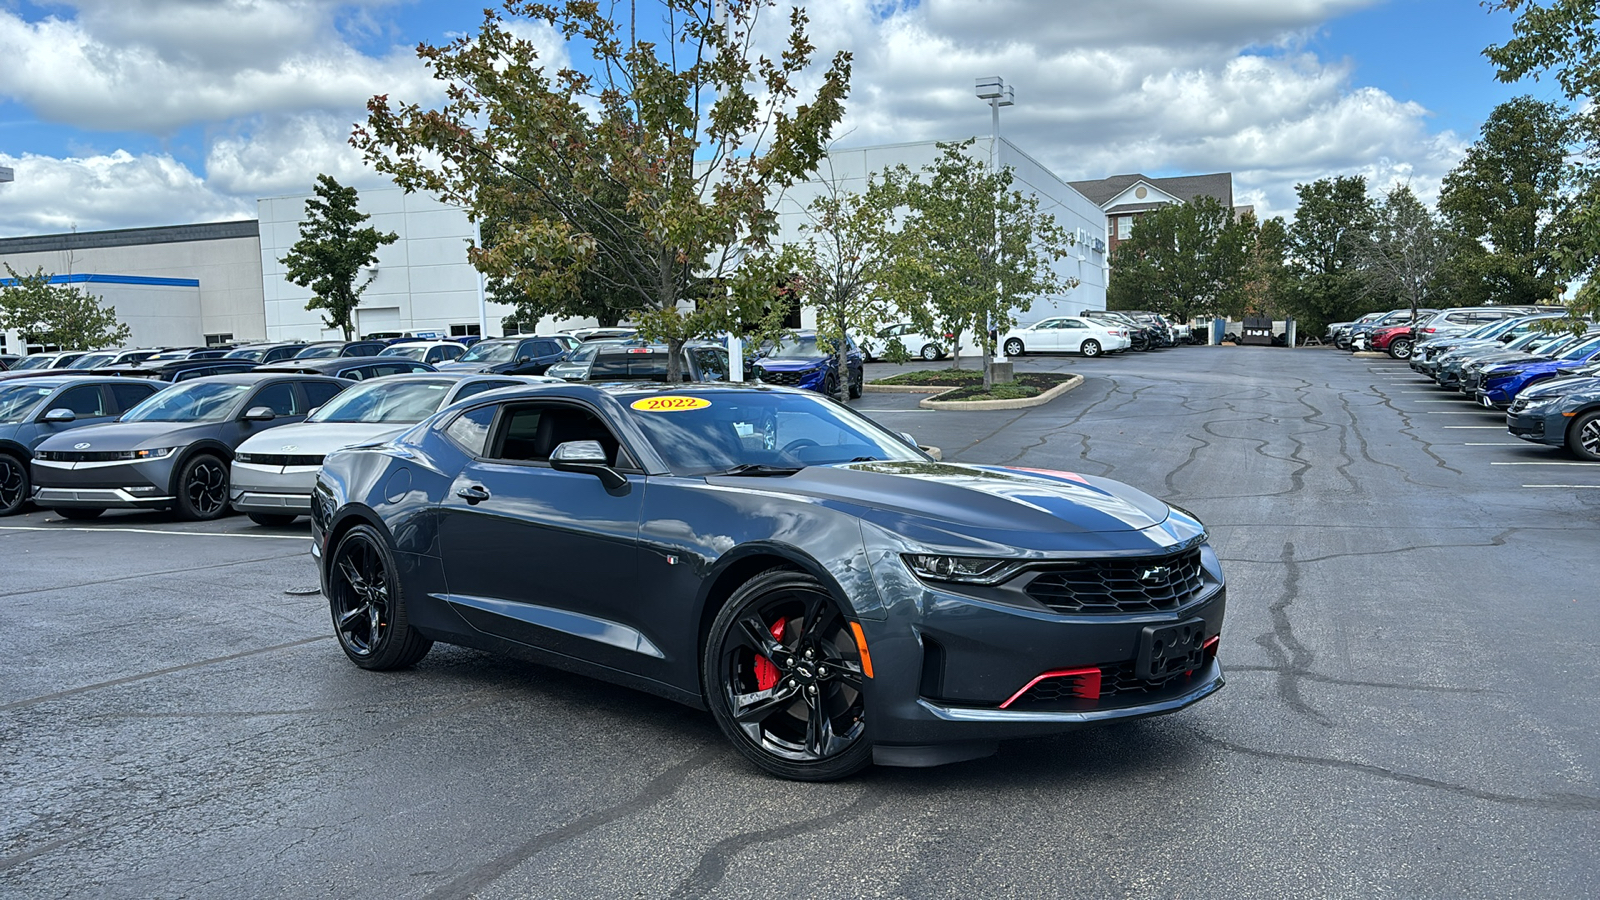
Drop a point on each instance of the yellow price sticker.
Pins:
(670, 404)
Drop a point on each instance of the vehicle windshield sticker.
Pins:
(670, 404)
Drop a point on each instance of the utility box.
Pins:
(1257, 330)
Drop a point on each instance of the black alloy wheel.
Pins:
(14, 485)
(1583, 435)
(203, 488)
(783, 677)
(1014, 347)
(856, 385)
(830, 384)
(367, 604)
(1090, 348)
(1400, 348)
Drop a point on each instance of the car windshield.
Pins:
(90, 360)
(197, 401)
(325, 351)
(399, 402)
(486, 352)
(1590, 342)
(1531, 341)
(254, 354)
(32, 362)
(712, 432)
(418, 352)
(804, 347)
(17, 401)
(585, 352)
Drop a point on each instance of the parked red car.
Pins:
(1396, 339)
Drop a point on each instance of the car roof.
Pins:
(258, 375)
(335, 362)
(64, 380)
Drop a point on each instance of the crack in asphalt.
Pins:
(1560, 802)
(655, 792)
(121, 578)
(1386, 685)
(713, 865)
(1292, 657)
(130, 679)
(1410, 431)
(1499, 540)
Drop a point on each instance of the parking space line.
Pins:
(1549, 463)
(1496, 444)
(256, 537)
(1590, 487)
(1463, 427)
(1446, 400)
(1457, 412)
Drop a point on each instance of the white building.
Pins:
(198, 284)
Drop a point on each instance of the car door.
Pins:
(285, 399)
(1046, 336)
(88, 403)
(127, 395)
(542, 557)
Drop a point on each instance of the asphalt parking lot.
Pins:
(1411, 705)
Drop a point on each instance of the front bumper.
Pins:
(103, 485)
(270, 489)
(1538, 426)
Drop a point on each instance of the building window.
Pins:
(465, 330)
(217, 340)
(1124, 227)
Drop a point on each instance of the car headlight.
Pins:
(158, 453)
(1531, 402)
(964, 569)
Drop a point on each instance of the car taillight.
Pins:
(1430, 330)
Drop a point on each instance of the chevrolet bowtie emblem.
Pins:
(1154, 574)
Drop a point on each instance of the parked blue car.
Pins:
(807, 362)
(1502, 383)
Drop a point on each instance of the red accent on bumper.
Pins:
(1088, 686)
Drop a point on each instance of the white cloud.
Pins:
(284, 155)
(115, 190)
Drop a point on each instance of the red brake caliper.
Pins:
(766, 672)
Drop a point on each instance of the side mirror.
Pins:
(524, 359)
(1508, 337)
(313, 411)
(59, 416)
(589, 458)
(260, 414)
(906, 436)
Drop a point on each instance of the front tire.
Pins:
(203, 488)
(15, 485)
(856, 386)
(368, 604)
(1583, 436)
(1090, 348)
(272, 520)
(830, 385)
(783, 677)
(931, 352)
(1014, 347)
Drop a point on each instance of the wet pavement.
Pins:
(1411, 704)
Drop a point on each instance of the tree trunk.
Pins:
(840, 360)
(674, 360)
(955, 351)
(987, 344)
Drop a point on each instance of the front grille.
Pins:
(1117, 586)
(1118, 687)
(83, 455)
(278, 459)
(790, 379)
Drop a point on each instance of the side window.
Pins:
(470, 430)
(127, 396)
(85, 402)
(478, 387)
(1072, 323)
(280, 398)
(713, 363)
(531, 432)
(546, 348)
(319, 392)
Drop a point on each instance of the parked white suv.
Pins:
(1066, 334)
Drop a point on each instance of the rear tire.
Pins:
(931, 352)
(15, 485)
(272, 520)
(1090, 348)
(1014, 347)
(1583, 436)
(1400, 348)
(79, 513)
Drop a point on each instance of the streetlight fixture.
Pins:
(994, 89)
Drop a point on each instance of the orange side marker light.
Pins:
(861, 644)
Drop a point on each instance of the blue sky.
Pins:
(120, 113)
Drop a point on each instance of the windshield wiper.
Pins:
(760, 469)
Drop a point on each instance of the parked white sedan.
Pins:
(1066, 334)
(915, 342)
(273, 472)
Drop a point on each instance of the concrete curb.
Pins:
(1022, 403)
(907, 388)
(1370, 354)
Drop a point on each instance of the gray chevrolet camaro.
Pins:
(831, 594)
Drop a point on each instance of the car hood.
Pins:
(945, 504)
(320, 438)
(1559, 387)
(132, 435)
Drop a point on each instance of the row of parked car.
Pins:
(1545, 378)
(1397, 332)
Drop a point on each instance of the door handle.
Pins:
(473, 494)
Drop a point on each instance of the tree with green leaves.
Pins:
(1270, 282)
(1183, 260)
(60, 315)
(1332, 223)
(1407, 250)
(1563, 39)
(950, 274)
(333, 249)
(696, 136)
(1506, 201)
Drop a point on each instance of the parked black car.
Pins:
(182, 369)
(525, 355)
(333, 349)
(266, 354)
(172, 451)
(355, 368)
(834, 596)
(40, 408)
(604, 360)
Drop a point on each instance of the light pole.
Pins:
(994, 89)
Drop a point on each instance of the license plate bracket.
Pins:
(1167, 650)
